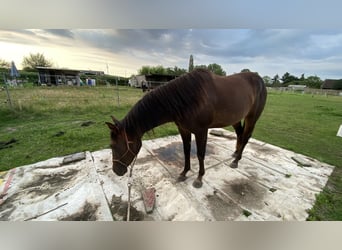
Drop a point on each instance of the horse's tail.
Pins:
(260, 96)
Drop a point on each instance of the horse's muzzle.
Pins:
(119, 170)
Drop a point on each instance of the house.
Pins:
(137, 81)
(57, 76)
(332, 84)
(150, 81)
(297, 87)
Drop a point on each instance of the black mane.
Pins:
(176, 100)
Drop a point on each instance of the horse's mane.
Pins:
(176, 100)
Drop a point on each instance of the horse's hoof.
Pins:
(181, 178)
(233, 165)
(197, 183)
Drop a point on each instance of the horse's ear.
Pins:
(116, 121)
(112, 127)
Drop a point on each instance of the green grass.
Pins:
(306, 124)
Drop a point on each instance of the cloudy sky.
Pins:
(267, 51)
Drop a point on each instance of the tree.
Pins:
(158, 70)
(217, 69)
(35, 60)
(275, 79)
(4, 64)
(144, 70)
(175, 71)
(191, 64)
(147, 70)
(245, 70)
(202, 66)
(287, 78)
(313, 82)
(267, 80)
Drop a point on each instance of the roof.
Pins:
(58, 69)
(90, 72)
(331, 83)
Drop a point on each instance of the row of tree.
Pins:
(32, 61)
(288, 79)
(276, 81)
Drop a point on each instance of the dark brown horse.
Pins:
(195, 102)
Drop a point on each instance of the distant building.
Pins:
(332, 84)
(56, 76)
(60, 76)
(297, 87)
(92, 72)
(150, 81)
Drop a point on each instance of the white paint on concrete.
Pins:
(271, 184)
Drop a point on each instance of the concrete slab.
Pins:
(271, 184)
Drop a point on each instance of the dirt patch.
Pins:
(50, 182)
(221, 208)
(7, 144)
(41, 187)
(173, 152)
(7, 209)
(87, 213)
(119, 210)
(87, 123)
(245, 192)
(58, 134)
(10, 129)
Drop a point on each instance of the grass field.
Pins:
(49, 122)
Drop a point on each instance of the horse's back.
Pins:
(235, 96)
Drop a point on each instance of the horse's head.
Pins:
(124, 147)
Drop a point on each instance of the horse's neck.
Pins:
(145, 119)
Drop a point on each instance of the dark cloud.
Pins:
(225, 46)
(125, 39)
(267, 50)
(61, 32)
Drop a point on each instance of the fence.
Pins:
(60, 97)
(324, 92)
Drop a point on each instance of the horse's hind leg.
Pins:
(186, 138)
(248, 127)
(238, 130)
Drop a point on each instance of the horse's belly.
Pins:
(225, 120)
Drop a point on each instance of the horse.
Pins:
(195, 102)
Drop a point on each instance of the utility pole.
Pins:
(117, 90)
(7, 92)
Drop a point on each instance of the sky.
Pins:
(123, 51)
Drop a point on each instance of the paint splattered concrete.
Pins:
(271, 184)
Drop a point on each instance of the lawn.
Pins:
(55, 121)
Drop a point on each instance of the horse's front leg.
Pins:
(201, 143)
(186, 138)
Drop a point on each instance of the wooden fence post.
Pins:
(7, 92)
